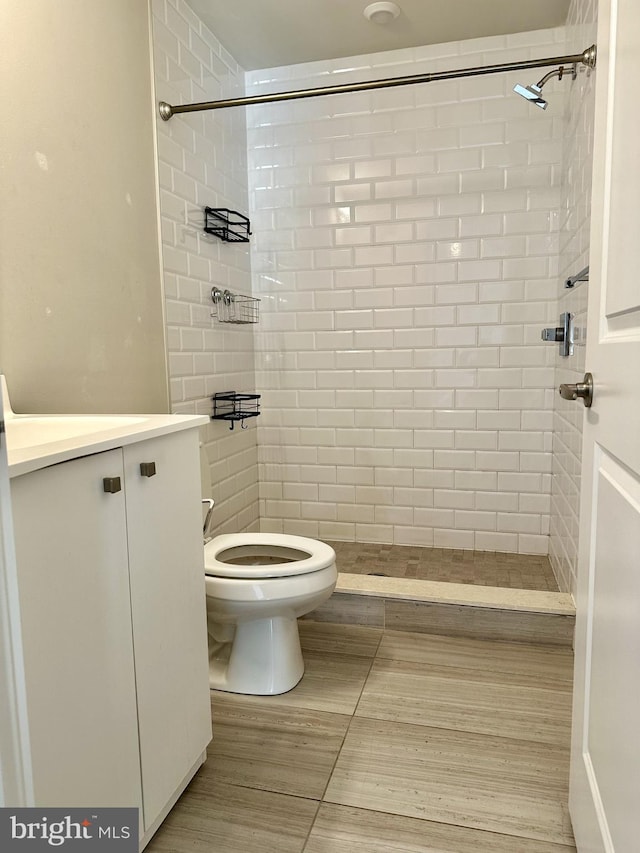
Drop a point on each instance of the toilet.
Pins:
(257, 585)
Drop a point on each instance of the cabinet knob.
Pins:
(148, 469)
(112, 485)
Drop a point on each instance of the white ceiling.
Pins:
(266, 33)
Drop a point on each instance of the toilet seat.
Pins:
(291, 555)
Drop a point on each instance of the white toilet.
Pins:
(257, 585)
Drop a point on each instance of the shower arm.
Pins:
(587, 57)
(559, 73)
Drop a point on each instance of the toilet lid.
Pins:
(265, 555)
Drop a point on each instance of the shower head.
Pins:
(533, 92)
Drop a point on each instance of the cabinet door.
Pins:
(166, 563)
(76, 622)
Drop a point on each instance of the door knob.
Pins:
(582, 390)
(148, 469)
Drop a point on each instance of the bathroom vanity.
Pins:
(108, 535)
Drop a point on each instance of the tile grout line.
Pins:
(561, 848)
(364, 683)
(452, 730)
(373, 655)
(355, 708)
(508, 738)
(440, 728)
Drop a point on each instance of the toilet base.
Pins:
(264, 658)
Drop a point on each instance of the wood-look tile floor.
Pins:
(484, 568)
(393, 742)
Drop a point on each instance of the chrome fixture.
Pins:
(533, 92)
(234, 307)
(581, 390)
(583, 275)
(587, 57)
(562, 334)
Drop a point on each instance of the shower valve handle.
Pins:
(562, 335)
(553, 334)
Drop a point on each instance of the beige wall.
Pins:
(81, 319)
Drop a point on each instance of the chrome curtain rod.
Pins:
(587, 57)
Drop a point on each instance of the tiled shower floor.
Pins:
(483, 568)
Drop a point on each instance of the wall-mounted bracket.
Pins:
(233, 406)
(583, 275)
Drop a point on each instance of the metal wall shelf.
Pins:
(234, 406)
(228, 225)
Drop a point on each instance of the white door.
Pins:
(166, 561)
(73, 579)
(605, 761)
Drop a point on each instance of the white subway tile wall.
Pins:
(406, 254)
(202, 161)
(574, 256)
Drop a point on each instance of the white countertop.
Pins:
(36, 441)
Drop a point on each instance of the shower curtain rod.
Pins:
(587, 57)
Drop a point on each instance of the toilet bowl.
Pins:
(257, 585)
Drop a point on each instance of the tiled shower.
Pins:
(408, 246)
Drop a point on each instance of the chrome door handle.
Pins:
(582, 390)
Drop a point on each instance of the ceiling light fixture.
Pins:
(381, 13)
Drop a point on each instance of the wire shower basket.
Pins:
(233, 406)
(234, 307)
(228, 225)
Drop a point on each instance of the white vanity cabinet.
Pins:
(111, 588)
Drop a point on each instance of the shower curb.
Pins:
(461, 610)
(438, 592)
